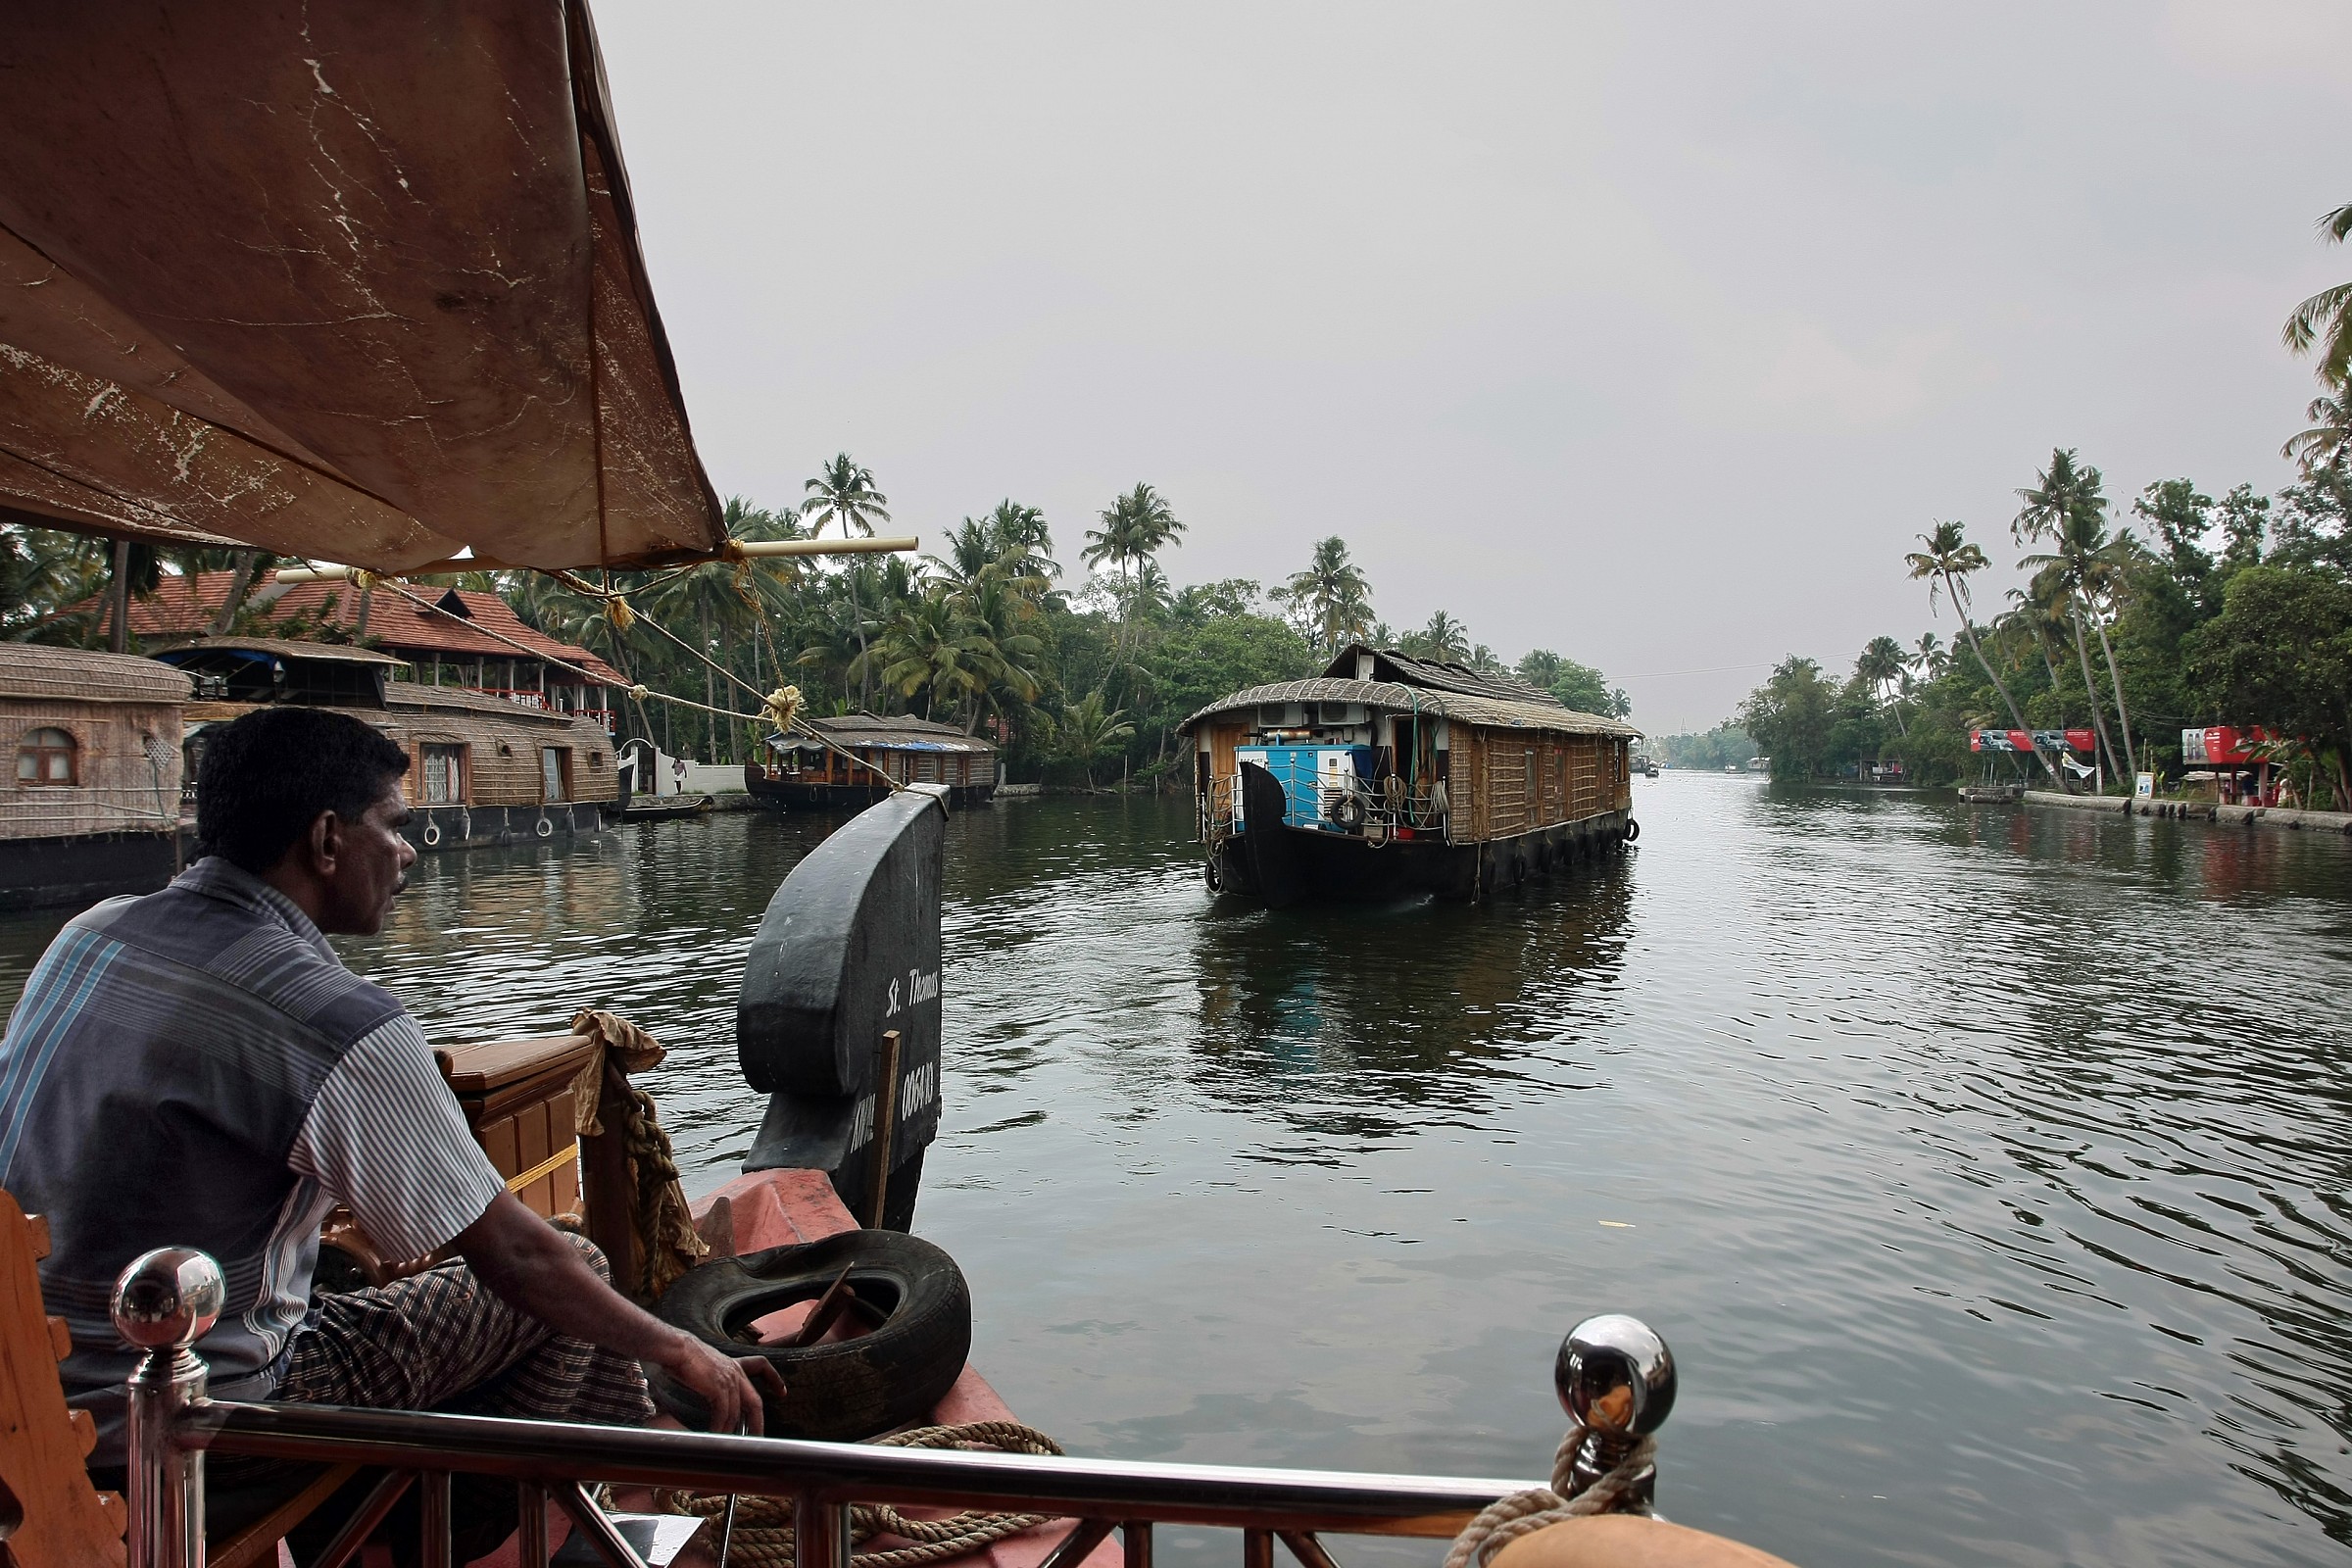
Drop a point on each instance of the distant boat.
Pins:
(1391, 774)
(852, 761)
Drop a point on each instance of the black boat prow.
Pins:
(1271, 848)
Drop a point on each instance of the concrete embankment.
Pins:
(2274, 816)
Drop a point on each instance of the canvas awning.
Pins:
(343, 280)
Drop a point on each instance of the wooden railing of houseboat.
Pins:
(167, 1299)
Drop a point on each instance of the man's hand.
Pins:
(529, 1265)
(728, 1387)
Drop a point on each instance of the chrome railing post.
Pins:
(820, 1532)
(1616, 1377)
(164, 1303)
(531, 1546)
(433, 1545)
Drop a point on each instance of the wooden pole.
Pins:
(608, 1190)
(886, 1107)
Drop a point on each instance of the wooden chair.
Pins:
(58, 1519)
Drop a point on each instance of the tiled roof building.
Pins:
(447, 645)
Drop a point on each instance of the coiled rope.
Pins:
(764, 1535)
(1523, 1513)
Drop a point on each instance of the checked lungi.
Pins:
(436, 1341)
(443, 1341)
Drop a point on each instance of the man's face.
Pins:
(370, 866)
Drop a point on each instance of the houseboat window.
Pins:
(555, 772)
(47, 757)
(444, 775)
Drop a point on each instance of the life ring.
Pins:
(544, 827)
(1633, 830)
(431, 833)
(845, 1390)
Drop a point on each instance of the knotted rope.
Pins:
(666, 1239)
(764, 1535)
(1523, 1513)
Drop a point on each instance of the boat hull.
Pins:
(479, 827)
(1318, 865)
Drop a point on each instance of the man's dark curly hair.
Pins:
(266, 778)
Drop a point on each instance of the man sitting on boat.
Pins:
(197, 1068)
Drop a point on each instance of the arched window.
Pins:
(47, 757)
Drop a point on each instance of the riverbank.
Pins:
(2274, 816)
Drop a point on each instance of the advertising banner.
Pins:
(2017, 740)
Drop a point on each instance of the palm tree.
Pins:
(1088, 731)
(1928, 657)
(2325, 320)
(844, 492)
(1014, 526)
(1331, 596)
(1882, 665)
(2067, 508)
(2329, 442)
(1947, 561)
(1444, 641)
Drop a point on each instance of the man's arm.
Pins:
(533, 1269)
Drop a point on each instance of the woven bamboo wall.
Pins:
(119, 788)
(501, 755)
(1511, 781)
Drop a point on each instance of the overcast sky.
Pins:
(1650, 333)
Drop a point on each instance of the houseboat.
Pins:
(92, 801)
(851, 763)
(1390, 776)
(483, 769)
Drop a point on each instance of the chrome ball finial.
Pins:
(1615, 1376)
(169, 1298)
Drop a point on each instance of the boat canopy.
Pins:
(1498, 713)
(342, 281)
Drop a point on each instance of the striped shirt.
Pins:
(197, 1068)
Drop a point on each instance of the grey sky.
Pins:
(1647, 333)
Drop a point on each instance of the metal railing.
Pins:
(1613, 1374)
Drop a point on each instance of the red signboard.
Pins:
(2222, 745)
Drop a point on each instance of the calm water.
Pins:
(1987, 1169)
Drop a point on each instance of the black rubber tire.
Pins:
(1633, 830)
(1211, 875)
(846, 1391)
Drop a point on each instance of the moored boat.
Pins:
(1390, 775)
(852, 761)
(93, 792)
(483, 769)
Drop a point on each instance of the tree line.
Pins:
(2189, 613)
(1077, 683)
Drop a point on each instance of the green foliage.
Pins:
(1579, 686)
(1790, 717)
(2279, 654)
(1724, 746)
